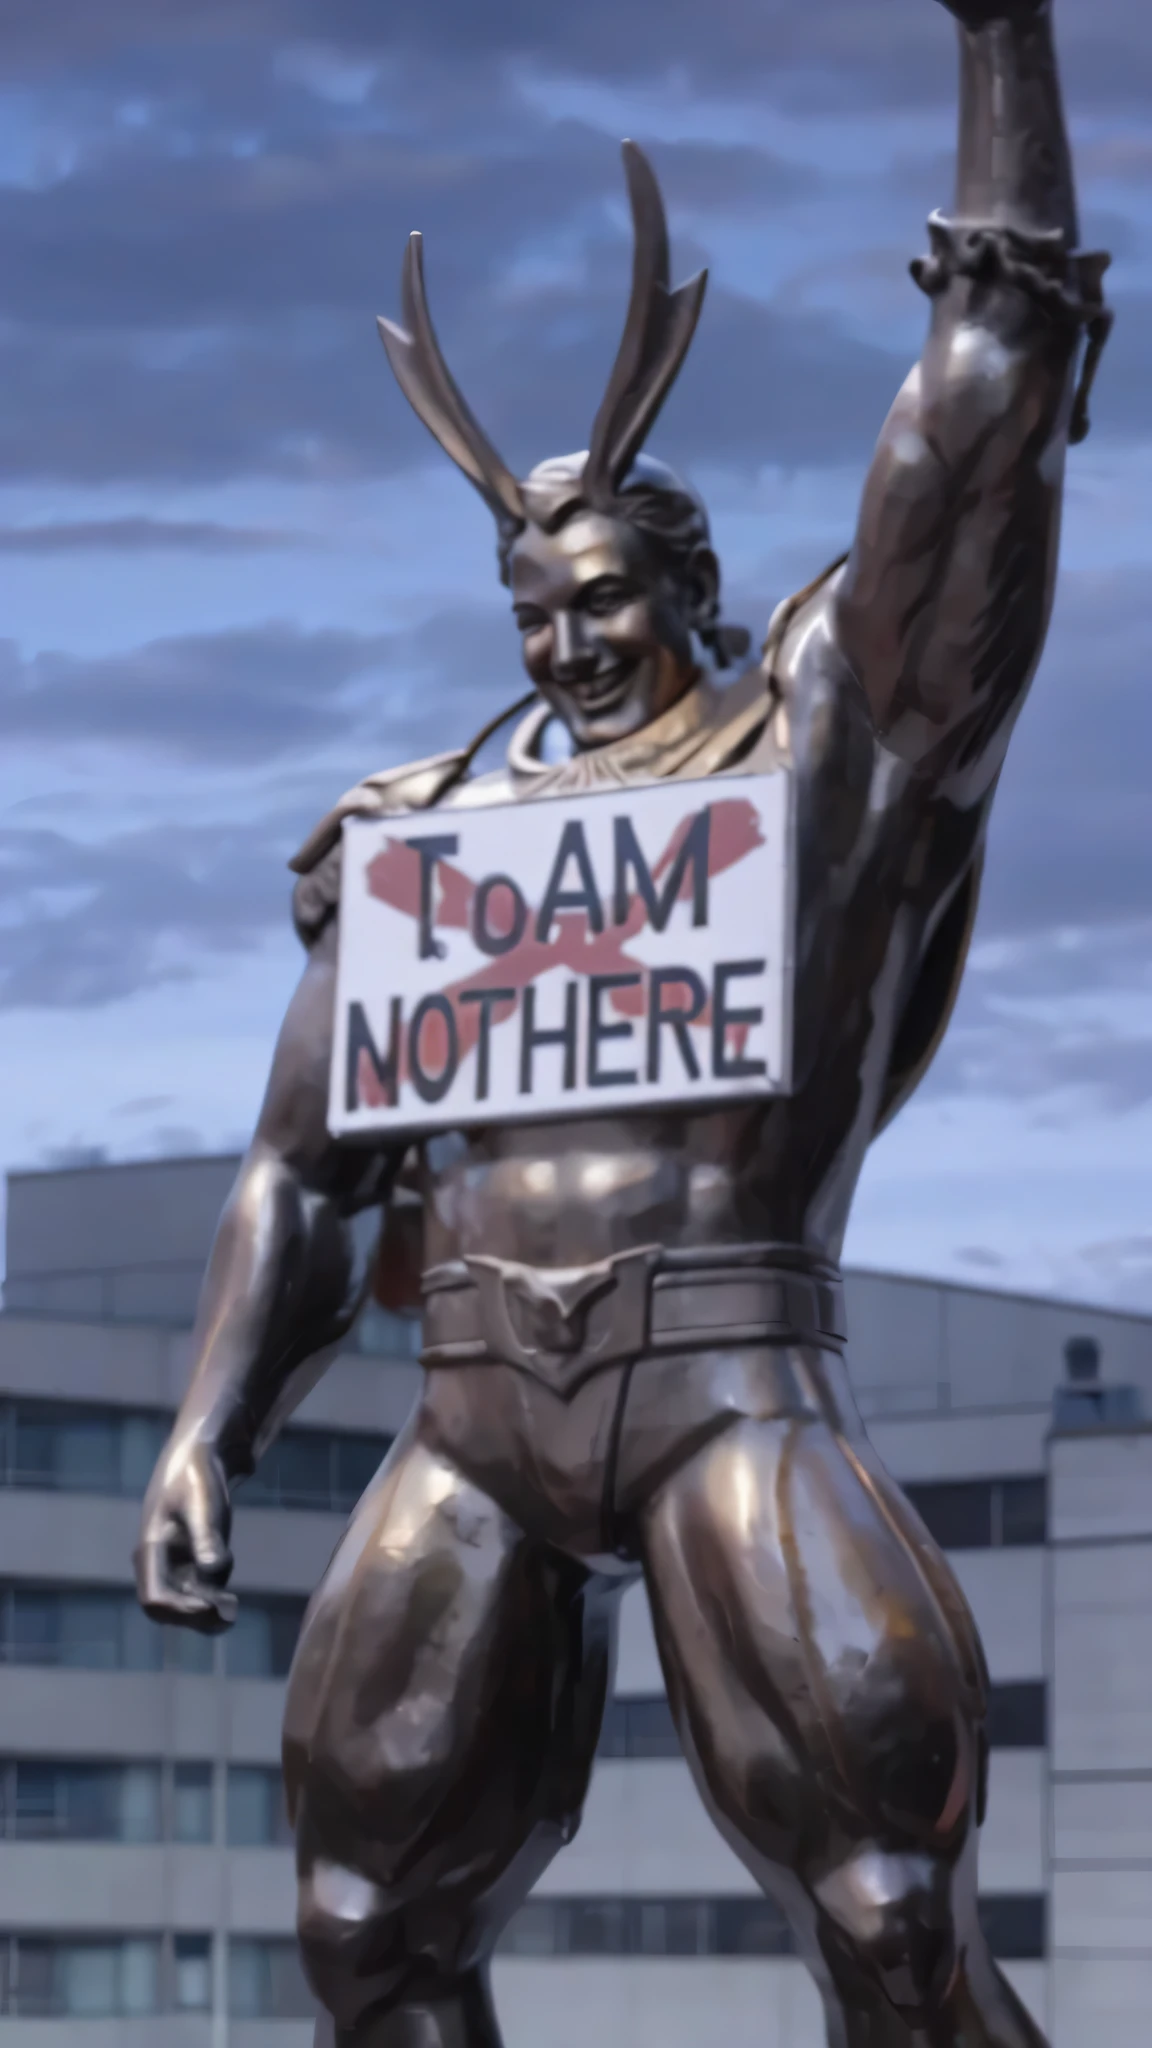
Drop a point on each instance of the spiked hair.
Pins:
(657, 333)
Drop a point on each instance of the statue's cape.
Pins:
(745, 705)
(414, 787)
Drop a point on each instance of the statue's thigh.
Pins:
(818, 1653)
(449, 1674)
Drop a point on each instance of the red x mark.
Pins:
(394, 878)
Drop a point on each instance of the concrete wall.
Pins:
(126, 1242)
(1101, 1756)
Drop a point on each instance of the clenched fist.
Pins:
(183, 1562)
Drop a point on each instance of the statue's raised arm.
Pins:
(943, 606)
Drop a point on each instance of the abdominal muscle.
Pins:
(569, 1194)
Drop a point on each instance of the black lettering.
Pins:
(487, 999)
(675, 1015)
(531, 1037)
(598, 1031)
(728, 1066)
(490, 942)
(433, 1087)
(384, 1069)
(430, 851)
(630, 858)
(573, 846)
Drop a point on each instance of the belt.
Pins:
(562, 1324)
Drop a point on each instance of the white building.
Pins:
(145, 1882)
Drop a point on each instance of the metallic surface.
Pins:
(634, 1344)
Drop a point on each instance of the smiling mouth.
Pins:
(603, 693)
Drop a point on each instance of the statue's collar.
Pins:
(698, 735)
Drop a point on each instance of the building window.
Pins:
(647, 1927)
(983, 1514)
(594, 1927)
(261, 1643)
(319, 1469)
(1018, 1715)
(85, 1628)
(55, 1977)
(67, 1447)
(715, 1927)
(381, 1333)
(186, 1649)
(59, 1976)
(266, 1982)
(257, 1814)
(65, 1800)
(77, 1627)
(1014, 1925)
(192, 1973)
(191, 1804)
(80, 1802)
(1023, 1511)
(64, 1447)
(639, 1727)
(749, 1927)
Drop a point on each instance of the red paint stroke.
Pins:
(393, 877)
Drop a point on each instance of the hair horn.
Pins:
(427, 383)
(657, 334)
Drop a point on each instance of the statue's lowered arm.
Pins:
(283, 1284)
(943, 607)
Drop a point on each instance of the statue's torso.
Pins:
(879, 855)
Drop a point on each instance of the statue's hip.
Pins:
(567, 1392)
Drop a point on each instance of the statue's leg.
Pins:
(828, 1685)
(442, 1718)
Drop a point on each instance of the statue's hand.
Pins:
(978, 13)
(183, 1561)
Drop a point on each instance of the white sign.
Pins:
(572, 955)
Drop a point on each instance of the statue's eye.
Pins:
(529, 617)
(607, 595)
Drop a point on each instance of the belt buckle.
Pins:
(564, 1323)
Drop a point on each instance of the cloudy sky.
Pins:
(236, 575)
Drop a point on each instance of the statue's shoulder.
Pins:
(391, 792)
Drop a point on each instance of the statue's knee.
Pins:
(888, 1904)
(889, 1918)
(347, 1932)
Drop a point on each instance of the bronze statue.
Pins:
(676, 1403)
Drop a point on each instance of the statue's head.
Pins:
(614, 584)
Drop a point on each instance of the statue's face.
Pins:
(606, 628)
